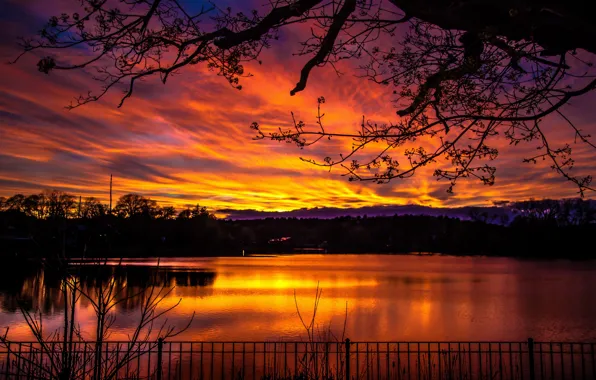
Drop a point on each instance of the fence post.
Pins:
(531, 358)
(159, 356)
(348, 359)
(327, 360)
(7, 368)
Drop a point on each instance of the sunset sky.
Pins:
(189, 141)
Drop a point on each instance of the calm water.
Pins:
(387, 297)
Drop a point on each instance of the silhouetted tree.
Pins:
(3, 205)
(167, 212)
(92, 208)
(478, 215)
(559, 212)
(463, 72)
(59, 204)
(578, 212)
(133, 204)
(150, 208)
(16, 203)
(544, 210)
(184, 214)
(196, 211)
(504, 219)
(36, 205)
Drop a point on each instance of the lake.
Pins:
(395, 298)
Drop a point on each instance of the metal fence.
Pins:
(165, 360)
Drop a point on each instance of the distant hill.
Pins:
(495, 214)
(502, 213)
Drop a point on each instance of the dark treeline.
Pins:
(56, 223)
(54, 204)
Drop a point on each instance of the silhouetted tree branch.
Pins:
(66, 354)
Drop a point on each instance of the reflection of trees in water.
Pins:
(32, 289)
(38, 289)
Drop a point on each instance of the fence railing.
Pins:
(165, 360)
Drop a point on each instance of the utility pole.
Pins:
(110, 193)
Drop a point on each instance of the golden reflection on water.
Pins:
(286, 281)
(387, 298)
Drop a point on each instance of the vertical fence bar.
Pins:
(274, 360)
(201, 363)
(531, 358)
(295, 359)
(212, 359)
(409, 366)
(169, 372)
(357, 360)
(106, 359)
(20, 360)
(326, 360)
(398, 362)
(265, 359)
(521, 360)
(378, 363)
(541, 361)
(128, 351)
(439, 359)
(116, 368)
(179, 361)
(449, 361)
(223, 371)
(581, 350)
(337, 360)
(419, 364)
(500, 363)
(190, 361)
(430, 369)
(562, 348)
(138, 358)
(490, 361)
(7, 360)
(552, 361)
(593, 360)
(459, 355)
(31, 364)
(480, 360)
(470, 359)
(243, 360)
(348, 376)
(572, 353)
(316, 353)
(254, 360)
(159, 356)
(388, 352)
(367, 364)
